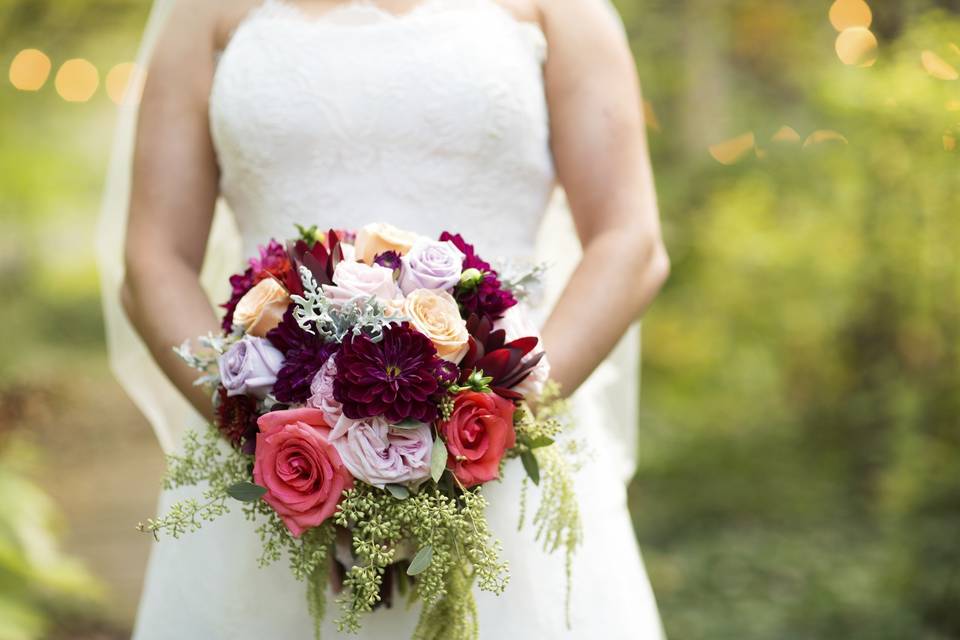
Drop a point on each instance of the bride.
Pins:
(464, 115)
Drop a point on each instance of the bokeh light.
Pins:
(77, 80)
(650, 116)
(949, 142)
(729, 151)
(857, 46)
(845, 14)
(937, 66)
(786, 134)
(121, 76)
(825, 135)
(29, 70)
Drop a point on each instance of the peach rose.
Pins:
(300, 468)
(435, 314)
(378, 237)
(261, 309)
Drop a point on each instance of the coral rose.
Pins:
(478, 433)
(379, 237)
(436, 315)
(299, 467)
(262, 308)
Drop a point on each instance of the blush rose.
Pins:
(478, 433)
(299, 467)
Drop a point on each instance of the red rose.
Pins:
(479, 431)
(301, 470)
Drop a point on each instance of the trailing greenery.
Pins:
(454, 547)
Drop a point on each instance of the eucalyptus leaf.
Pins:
(540, 441)
(246, 491)
(531, 465)
(438, 459)
(420, 561)
(398, 491)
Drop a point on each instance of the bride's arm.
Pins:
(173, 195)
(600, 150)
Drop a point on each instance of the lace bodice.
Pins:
(434, 119)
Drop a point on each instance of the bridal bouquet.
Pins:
(366, 386)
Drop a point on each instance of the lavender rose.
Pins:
(380, 454)
(321, 392)
(250, 367)
(431, 264)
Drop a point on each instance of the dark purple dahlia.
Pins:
(304, 353)
(240, 283)
(395, 378)
(237, 419)
(388, 259)
(486, 297)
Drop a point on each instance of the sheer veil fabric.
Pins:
(200, 585)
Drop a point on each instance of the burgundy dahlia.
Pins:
(303, 355)
(485, 298)
(394, 378)
(237, 419)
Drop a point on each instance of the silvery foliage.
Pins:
(318, 315)
(206, 361)
(522, 279)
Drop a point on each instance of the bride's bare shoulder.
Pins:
(209, 22)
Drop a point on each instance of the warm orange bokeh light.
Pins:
(949, 142)
(786, 134)
(937, 66)
(850, 13)
(857, 46)
(729, 151)
(650, 116)
(29, 70)
(119, 78)
(77, 80)
(824, 135)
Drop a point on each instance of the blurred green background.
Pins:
(800, 434)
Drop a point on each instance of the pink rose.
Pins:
(358, 280)
(301, 470)
(321, 392)
(478, 433)
(517, 324)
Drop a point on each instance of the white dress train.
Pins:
(434, 120)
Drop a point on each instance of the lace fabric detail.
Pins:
(431, 119)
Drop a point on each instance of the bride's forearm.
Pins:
(617, 278)
(167, 305)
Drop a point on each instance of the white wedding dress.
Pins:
(433, 120)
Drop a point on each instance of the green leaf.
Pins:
(407, 424)
(438, 459)
(540, 441)
(398, 491)
(246, 491)
(420, 561)
(531, 465)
